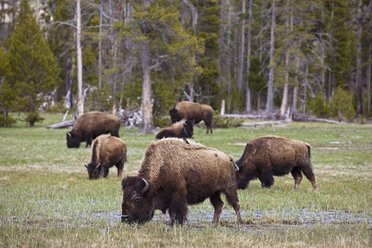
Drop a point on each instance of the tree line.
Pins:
(270, 56)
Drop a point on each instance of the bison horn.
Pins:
(146, 188)
(69, 134)
(236, 167)
(86, 166)
(98, 165)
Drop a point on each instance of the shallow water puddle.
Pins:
(201, 218)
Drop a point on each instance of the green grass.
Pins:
(46, 199)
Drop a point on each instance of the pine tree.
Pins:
(33, 68)
(208, 30)
(165, 48)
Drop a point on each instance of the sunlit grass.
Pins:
(46, 199)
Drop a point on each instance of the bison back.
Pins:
(198, 171)
(95, 123)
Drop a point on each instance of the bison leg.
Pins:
(178, 208)
(266, 179)
(217, 204)
(88, 142)
(296, 173)
(105, 171)
(120, 167)
(308, 172)
(232, 198)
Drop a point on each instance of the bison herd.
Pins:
(176, 173)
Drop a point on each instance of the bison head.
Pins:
(94, 170)
(246, 170)
(137, 204)
(174, 115)
(72, 140)
(188, 128)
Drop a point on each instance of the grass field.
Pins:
(46, 199)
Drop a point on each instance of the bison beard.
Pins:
(270, 156)
(173, 175)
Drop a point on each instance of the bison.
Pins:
(192, 111)
(175, 174)
(181, 129)
(89, 126)
(107, 151)
(269, 156)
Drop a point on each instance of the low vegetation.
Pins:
(46, 199)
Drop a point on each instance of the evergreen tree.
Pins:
(165, 50)
(339, 56)
(33, 68)
(208, 30)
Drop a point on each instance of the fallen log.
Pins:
(63, 124)
(264, 123)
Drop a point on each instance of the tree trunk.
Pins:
(100, 47)
(146, 105)
(79, 61)
(270, 87)
(241, 52)
(359, 62)
(284, 104)
(368, 78)
(147, 125)
(249, 39)
(305, 86)
(294, 101)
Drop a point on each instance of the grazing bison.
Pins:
(89, 126)
(270, 156)
(107, 151)
(173, 175)
(192, 111)
(181, 129)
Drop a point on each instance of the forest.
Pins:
(267, 57)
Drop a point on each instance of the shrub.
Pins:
(6, 121)
(342, 105)
(33, 117)
(319, 107)
(162, 121)
(225, 122)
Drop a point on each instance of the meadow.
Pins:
(46, 199)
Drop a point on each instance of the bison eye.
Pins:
(136, 198)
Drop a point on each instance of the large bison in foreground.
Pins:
(269, 156)
(89, 126)
(192, 111)
(181, 129)
(107, 151)
(173, 175)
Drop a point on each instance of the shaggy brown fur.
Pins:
(192, 111)
(89, 126)
(272, 155)
(181, 129)
(107, 151)
(179, 174)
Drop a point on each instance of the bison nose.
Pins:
(124, 218)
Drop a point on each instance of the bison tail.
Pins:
(95, 151)
(308, 149)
